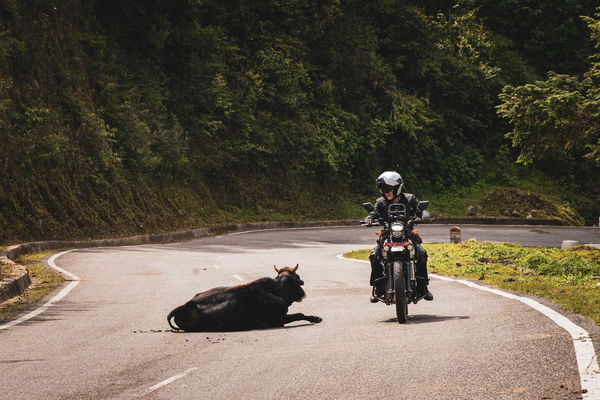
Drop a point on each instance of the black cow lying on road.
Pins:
(262, 303)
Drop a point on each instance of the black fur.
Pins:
(262, 303)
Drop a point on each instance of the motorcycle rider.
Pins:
(390, 184)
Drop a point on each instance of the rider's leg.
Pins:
(376, 268)
(376, 272)
(422, 277)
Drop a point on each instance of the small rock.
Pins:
(529, 216)
(458, 264)
(568, 243)
(598, 285)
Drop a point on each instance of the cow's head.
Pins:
(289, 284)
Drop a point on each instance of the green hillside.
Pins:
(122, 117)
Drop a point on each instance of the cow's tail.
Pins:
(171, 315)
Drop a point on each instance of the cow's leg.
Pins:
(273, 311)
(301, 317)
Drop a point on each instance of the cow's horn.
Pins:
(275, 266)
(295, 268)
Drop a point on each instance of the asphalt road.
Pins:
(109, 338)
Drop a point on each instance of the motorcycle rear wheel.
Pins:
(401, 302)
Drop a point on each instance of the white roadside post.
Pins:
(455, 235)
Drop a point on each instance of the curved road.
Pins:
(108, 338)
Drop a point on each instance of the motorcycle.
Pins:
(398, 257)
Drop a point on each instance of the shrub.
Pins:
(535, 260)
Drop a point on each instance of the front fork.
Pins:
(389, 271)
(410, 280)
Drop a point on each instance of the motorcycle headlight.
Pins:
(397, 227)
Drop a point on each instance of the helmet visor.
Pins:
(385, 188)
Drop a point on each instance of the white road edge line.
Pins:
(74, 282)
(587, 362)
(165, 382)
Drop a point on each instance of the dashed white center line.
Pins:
(239, 278)
(165, 382)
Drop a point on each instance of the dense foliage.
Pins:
(149, 114)
(558, 115)
(556, 123)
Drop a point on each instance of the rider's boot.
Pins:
(428, 296)
(422, 289)
(373, 299)
(377, 291)
(422, 286)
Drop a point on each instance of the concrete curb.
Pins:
(15, 286)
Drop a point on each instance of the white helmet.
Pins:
(390, 181)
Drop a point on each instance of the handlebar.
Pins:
(373, 222)
(411, 221)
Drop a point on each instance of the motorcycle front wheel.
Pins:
(401, 302)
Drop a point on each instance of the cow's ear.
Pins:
(275, 266)
(295, 268)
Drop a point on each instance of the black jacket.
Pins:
(408, 199)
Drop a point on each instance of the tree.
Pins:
(558, 116)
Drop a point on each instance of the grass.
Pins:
(44, 280)
(455, 201)
(567, 277)
(527, 191)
